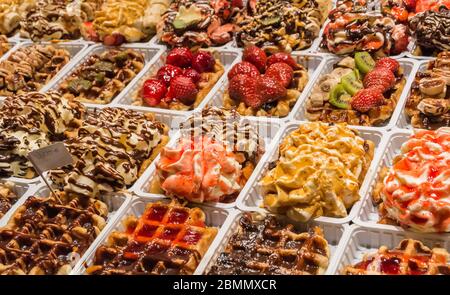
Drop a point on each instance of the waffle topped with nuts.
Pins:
(45, 236)
(30, 68)
(410, 257)
(428, 105)
(166, 239)
(268, 247)
(103, 76)
(7, 197)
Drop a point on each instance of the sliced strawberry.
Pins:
(167, 72)
(270, 89)
(411, 4)
(382, 78)
(193, 74)
(203, 62)
(282, 57)
(183, 89)
(181, 57)
(243, 88)
(255, 56)
(281, 72)
(89, 32)
(388, 63)
(153, 91)
(245, 68)
(365, 99)
(401, 39)
(115, 39)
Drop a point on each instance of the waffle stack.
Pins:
(45, 236)
(167, 239)
(269, 247)
(101, 77)
(7, 197)
(411, 257)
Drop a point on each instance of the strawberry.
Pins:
(203, 62)
(89, 32)
(115, 39)
(388, 63)
(181, 57)
(401, 40)
(245, 68)
(270, 89)
(237, 3)
(168, 72)
(365, 99)
(243, 88)
(282, 57)
(382, 78)
(183, 89)
(411, 4)
(281, 72)
(153, 91)
(193, 74)
(255, 56)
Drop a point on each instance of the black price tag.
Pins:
(50, 157)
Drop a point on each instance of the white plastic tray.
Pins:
(251, 200)
(215, 217)
(333, 234)
(358, 241)
(267, 129)
(409, 66)
(228, 57)
(312, 62)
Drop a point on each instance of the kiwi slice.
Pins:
(364, 62)
(352, 83)
(339, 97)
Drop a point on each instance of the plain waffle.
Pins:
(411, 257)
(44, 235)
(166, 239)
(270, 247)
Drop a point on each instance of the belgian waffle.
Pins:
(268, 246)
(411, 257)
(44, 235)
(101, 77)
(30, 68)
(4, 45)
(7, 197)
(166, 239)
(428, 105)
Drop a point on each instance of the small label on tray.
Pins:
(50, 157)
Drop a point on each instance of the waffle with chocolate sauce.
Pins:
(270, 247)
(166, 239)
(7, 197)
(110, 151)
(103, 76)
(4, 45)
(44, 236)
(411, 257)
(29, 68)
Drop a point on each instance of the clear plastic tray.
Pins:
(409, 66)
(116, 203)
(333, 234)
(251, 199)
(21, 189)
(228, 58)
(267, 130)
(312, 62)
(358, 241)
(215, 217)
(150, 56)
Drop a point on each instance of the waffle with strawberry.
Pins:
(264, 85)
(358, 91)
(182, 83)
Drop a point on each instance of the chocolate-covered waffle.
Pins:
(45, 235)
(110, 151)
(410, 257)
(271, 247)
(119, 21)
(103, 76)
(212, 160)
(166, 239)
(30, 68)
(282, 25)
(357, 91)
(4, 45)
(428, 105)
(7, 196)
(319, 172)
(430, 29)
(32, 121)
